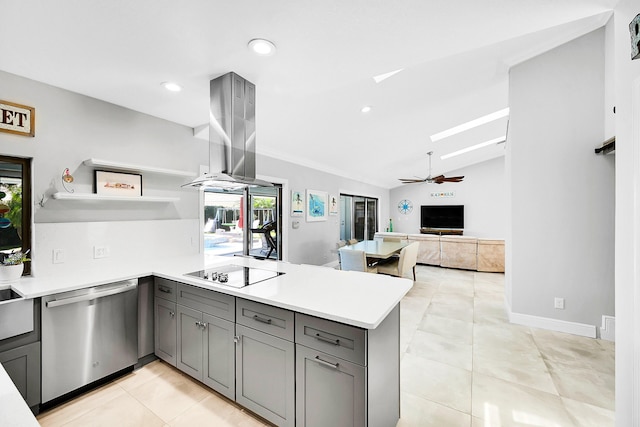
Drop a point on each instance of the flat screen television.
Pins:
(442, 216)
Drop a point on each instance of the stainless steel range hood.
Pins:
(232, 136)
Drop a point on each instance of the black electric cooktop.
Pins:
(236, 276)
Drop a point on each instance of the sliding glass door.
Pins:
(358, 217)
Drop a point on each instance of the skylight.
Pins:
(470, 125)
(385, 76)
(475, 147)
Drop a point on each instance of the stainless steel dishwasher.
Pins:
(87, 335)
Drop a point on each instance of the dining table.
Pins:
(377, 248)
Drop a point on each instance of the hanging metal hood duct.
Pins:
(232, 136)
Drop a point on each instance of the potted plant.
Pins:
(12, 266)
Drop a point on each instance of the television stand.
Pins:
(442, 231)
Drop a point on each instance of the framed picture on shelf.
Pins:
(333, 205)
(297, 203)
(117, 184)
(316, 205)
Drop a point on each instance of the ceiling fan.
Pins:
(432, 180)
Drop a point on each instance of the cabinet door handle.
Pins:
(198, 324)
(172, 314)
(329, 340)
(325, 363)
(236, 339)
(204, 325)
(164, 289)
(261, 319)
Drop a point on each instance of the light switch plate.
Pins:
(58, 256)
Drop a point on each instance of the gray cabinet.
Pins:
(345, 375)
(265, 366)
(165, 330)
(205, 342)
(23, 366)
(190, 341)
(329, 391)
(219, 355)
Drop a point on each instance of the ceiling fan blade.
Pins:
(411, 180)
(453, 179)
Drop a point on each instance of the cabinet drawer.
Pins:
(207, 301)
(337, 339)
(266, 318)
(165, 289)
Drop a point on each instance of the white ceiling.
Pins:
(456, 55)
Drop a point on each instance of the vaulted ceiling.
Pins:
(455, 56)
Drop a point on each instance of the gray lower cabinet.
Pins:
(206, 349)
(165, 330)
(23, 366)
(219, 361)
(265, 380)
(329, 391)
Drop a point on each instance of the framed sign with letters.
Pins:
(18, 119)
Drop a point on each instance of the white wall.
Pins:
(561, 199)
(482, 193)
(315, 242)
(627, 99)
(70, 128)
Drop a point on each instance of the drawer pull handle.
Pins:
(164, 289)
(261, 319)
(329, 340)
(325, 363)
(172, 314)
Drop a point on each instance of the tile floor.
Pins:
(462, 364)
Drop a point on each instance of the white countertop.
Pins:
(14, 410)
(358, 299)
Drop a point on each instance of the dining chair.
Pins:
(351, 260)
(392, 239)
(405, 262)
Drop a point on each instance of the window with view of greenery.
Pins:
(15, 206)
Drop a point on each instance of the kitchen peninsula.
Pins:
(327, 327)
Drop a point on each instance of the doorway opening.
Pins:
(229, 231)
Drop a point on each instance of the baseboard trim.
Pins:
(557, 325)
(608, 328)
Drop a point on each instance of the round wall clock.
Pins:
(405, 207)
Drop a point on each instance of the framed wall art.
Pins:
(297, 203)
(316, 205)
(333, 205)
(117, 184)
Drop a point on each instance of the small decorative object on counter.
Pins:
(12, 266)
(390, 225)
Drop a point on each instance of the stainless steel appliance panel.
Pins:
(86, 335)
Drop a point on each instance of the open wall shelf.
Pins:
(99, 197)
(99, 163)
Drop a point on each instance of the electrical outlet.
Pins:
(100, 252)
(558, 303)
(58, 256)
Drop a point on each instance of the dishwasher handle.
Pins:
(126, 287)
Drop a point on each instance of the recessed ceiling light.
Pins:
(470, 125)
(366, 109)
(262, 47)
(385, 76)
(475, 147)
(173, 87)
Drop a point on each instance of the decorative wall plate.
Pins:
(405, 207)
